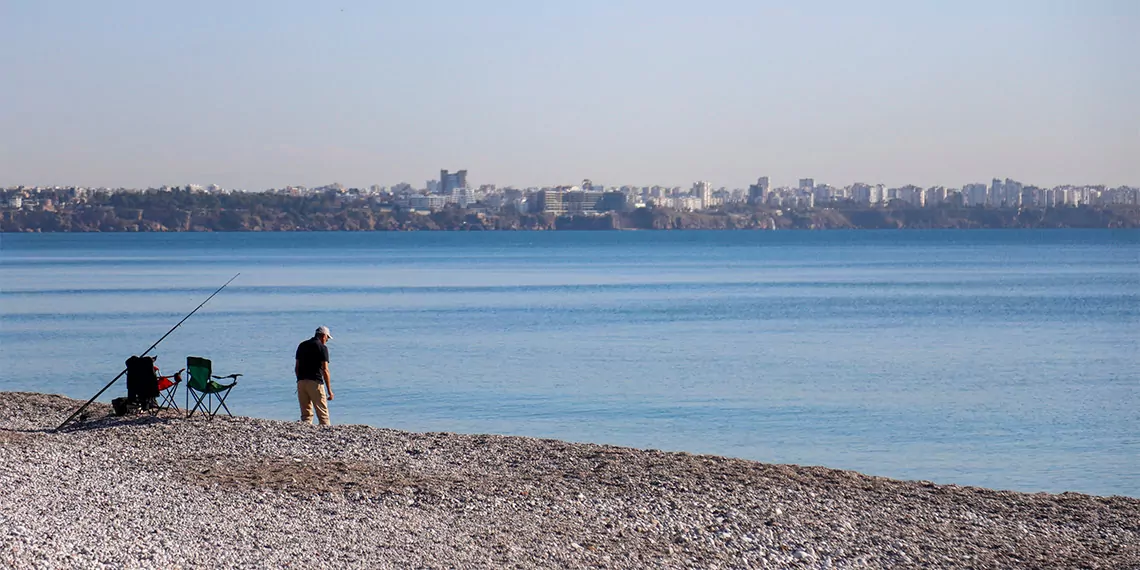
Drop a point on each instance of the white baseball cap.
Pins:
(324, 330)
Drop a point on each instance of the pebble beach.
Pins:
(162, 491)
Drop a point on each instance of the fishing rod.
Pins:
(116, 379)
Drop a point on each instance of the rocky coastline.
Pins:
(166, 492)
(374, 218)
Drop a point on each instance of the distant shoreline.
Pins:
(370, 217)
(190, 212)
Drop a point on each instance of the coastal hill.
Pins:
(163, 491)
(182, 211)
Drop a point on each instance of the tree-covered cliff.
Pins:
(182, 210)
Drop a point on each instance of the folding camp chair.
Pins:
(208, 395)
(168, 388)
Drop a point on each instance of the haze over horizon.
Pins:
(257, 95)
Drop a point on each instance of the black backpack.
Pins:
(142, 382)
(124, 406)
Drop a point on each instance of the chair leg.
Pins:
(168, 396)
(197, 403)
(206, 402)
(222, 402)
(211, 409)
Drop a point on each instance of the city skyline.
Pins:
(258, 96)
(435, 186)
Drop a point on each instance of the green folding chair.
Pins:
(208, 395)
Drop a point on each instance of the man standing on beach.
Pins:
(312, 370)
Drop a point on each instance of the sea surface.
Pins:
(1007, 359)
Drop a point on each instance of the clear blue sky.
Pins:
(263, 94)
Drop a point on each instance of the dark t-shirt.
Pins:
(311, 354)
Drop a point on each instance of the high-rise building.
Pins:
(997, 191)
(577, 202)
(1012, 193)
(807, 183)
(879, 194)
(758, 192)
(934, 196)
(703, 191)
(974, 194)
(1032, 197)
(451, 181)
(861, 193)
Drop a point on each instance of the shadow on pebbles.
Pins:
(166, 492)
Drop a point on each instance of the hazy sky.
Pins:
(538, 92)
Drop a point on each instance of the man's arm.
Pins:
(328, 378)
(297, 368)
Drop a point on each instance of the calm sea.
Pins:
(1007, 359)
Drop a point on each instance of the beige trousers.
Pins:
(311, 394)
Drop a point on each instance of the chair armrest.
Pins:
(177, 376)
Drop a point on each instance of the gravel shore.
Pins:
(166, 492)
